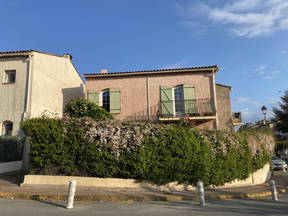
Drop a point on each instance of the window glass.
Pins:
(179, 100)
(106, 100)
(7, 128)
(10, 76)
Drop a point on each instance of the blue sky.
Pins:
(248, 39)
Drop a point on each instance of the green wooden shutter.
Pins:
(115, 100)
(93, 96)
(190, 103)
(166, 103)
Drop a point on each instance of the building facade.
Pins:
(164, 96)
(225, 115)
(35, 83)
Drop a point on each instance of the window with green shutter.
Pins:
(93, 96)
(166, 103)
(190, 103)
(115, 100)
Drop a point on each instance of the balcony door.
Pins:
(179, 108)
(177, 101)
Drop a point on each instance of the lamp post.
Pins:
(264, 111)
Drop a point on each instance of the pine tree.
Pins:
(281, 114)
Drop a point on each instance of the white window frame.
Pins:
(8, 73)
(173, 98)
(100, 98)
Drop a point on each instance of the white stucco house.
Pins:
(34, 82)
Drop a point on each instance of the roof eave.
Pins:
(226, 86)
(15, 55)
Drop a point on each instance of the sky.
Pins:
(247, 39)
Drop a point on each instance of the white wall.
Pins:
(54, 82)
(12, 96)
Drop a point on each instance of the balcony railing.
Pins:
(187, 108)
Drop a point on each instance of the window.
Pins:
(10, 76)
(106, 100)
(109, 99)
(7, 128)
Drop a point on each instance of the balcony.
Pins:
(198, 109)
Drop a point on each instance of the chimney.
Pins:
(67, 55)
(103, 71)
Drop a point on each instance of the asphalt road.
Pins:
(263, 206)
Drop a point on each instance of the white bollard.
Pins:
(200, 189)
(283, 168)
(71, 194)
(273, 190)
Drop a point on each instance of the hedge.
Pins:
(10, 148)
(156, 153)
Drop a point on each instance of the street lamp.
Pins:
(264, 111)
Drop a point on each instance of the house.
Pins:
(166, 95)
(33, 83)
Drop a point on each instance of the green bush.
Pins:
(187, 156)
(176, 154)
(156, 153)
(10, 148)
(280, 146)
(79, 108)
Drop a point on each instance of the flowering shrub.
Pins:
(144, 151)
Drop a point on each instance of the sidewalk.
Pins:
(9, 188)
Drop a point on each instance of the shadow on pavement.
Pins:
(239, 206)
(11, 178)
(51, 203)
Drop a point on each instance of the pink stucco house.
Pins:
(165, 95)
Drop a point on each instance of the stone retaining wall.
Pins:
(259, 177)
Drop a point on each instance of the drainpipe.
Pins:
(148, 96)
(215, 98)
(26, 113)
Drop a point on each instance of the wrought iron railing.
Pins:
(187, 108)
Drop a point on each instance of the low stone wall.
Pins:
(10, 166)
(259, 177)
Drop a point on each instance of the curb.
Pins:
(134, 198)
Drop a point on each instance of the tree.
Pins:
(281, 114)
(80, 107)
